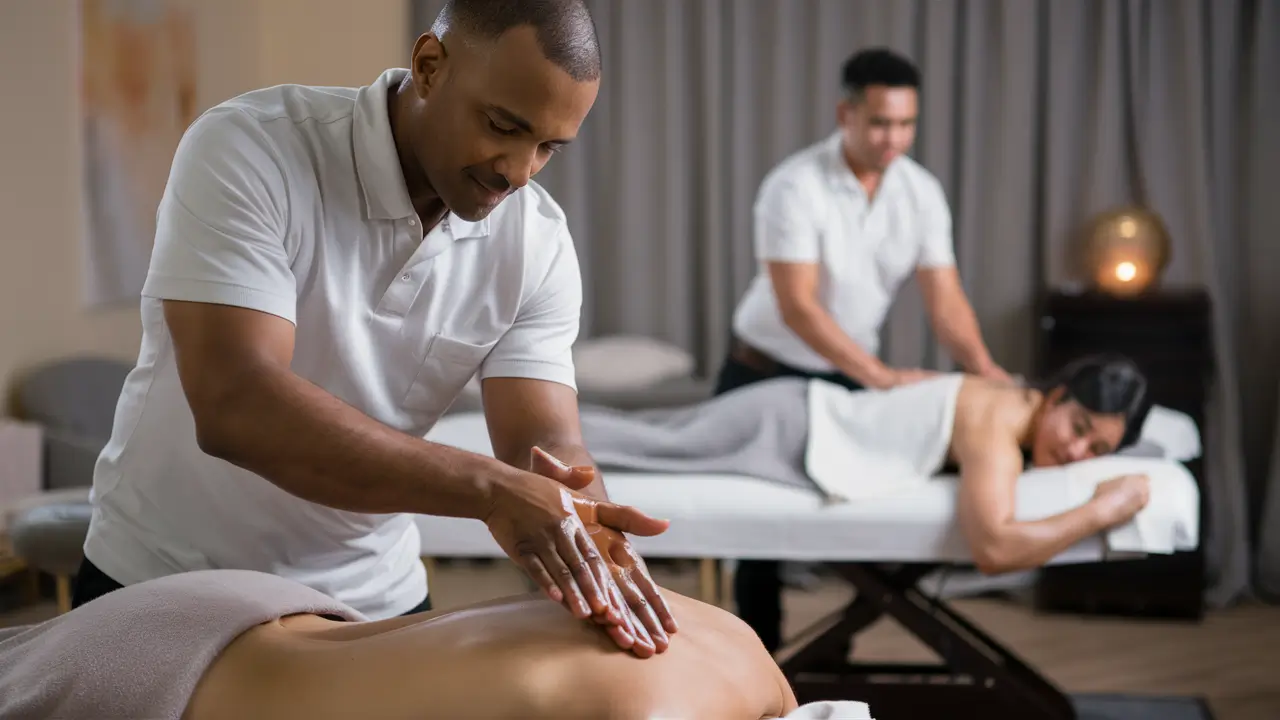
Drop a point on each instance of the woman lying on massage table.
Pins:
(850, 445)
(242, 644)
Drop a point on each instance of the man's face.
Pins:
(1068, 433)
(488, 117)
(880, 126)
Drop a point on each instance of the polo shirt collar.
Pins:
(842, 178)
(378, 166)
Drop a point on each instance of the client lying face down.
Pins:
(1091, 408)
(243, 644)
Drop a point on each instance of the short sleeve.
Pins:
(786, 226)
(539, 344)
(937, 249)
(222, 220)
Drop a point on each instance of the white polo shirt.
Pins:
(812, 209)
(290, 200)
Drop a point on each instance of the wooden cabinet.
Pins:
(1169, 335)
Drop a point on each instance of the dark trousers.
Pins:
(92, 583)
(757, 584)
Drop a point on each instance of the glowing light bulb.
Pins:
(1126, 271)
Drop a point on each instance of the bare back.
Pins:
(988, 414)
(519, 657)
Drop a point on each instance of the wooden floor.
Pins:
(1232, 659)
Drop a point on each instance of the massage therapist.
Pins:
(838, 227)
(331, 266)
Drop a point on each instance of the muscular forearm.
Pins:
(316, 447)
(820, 331)
(1026, 545)
(958, 330)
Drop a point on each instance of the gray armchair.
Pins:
(74, 401)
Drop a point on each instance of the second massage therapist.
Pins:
(838, 227)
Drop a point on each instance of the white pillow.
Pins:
(628, 362)
(1167, 433)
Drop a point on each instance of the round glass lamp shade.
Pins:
(1125, 250)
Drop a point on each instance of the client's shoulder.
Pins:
(986, 408)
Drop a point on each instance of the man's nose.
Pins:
(1079, 449)
(517, 167)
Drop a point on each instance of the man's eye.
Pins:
(501, 130)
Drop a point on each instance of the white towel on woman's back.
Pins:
(871, 443)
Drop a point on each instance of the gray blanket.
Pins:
(757, 431)
(139, 652)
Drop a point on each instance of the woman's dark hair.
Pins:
(1106, 384)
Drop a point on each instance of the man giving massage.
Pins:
(850, 445)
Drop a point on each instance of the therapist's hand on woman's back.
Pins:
(535, 521)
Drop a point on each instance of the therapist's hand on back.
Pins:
(648, 614)
(537, 523)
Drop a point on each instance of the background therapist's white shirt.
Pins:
(812, 209)
(290, 201)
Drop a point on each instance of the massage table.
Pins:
(883, 547)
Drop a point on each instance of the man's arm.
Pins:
(524, 413)
(796, 287)
(251, 410)
(787, 240)
(954, 321)
(991, 464)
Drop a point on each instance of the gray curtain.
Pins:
(1035, 115)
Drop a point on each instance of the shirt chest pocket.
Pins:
(898, 248)
(447, 366)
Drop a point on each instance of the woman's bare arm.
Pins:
(991, 464)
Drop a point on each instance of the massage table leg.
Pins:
(726, 584)
(977, 674)
(707, 581)
(62, 587)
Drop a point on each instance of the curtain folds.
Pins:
(1035, 115)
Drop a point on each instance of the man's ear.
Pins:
(428, 63)
(844, 112)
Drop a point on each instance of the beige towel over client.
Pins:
(139, 652)
(871, 443)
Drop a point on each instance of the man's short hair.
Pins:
(565, 30)
(878, 66)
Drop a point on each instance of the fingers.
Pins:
(533, 567)
(562, 578)
(657, 604)
(613, 612)
(574, 572)
(638, 603)
(625, 518)
(546, 465)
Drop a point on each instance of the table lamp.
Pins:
(1125, 250)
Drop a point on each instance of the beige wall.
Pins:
(242, 44)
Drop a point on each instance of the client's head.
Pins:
(1093, 406)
